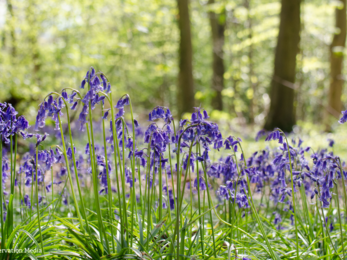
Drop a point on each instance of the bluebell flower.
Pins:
(331, 227)
(10, 124)
(105, 114)
(40, 138)
(343, 119)
(73, 107)
(171, 200)
(161, 112)
(27, 201)
(124, 101)
(278, 218)
(260, 134)
(274, 135)
(50, 108)
(331, 142)
(64, 95)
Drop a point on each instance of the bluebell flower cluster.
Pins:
(50, 108)
(161, 112)
(10, 124)
(194, 154)
(97, 83)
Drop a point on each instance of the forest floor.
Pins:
(313, 135)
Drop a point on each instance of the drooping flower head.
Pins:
(161, 112)
(343, 119)
(10, 124)
(40, 138)
(50, 108)
(331, 142)
(97, 83)
(158, 139)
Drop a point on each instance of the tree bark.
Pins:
(185, 93)
(217, 22)
(336, 62)
(281, 113)
(252, 103)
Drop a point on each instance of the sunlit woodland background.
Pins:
(217, 54)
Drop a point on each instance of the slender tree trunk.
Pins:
(217, 22)
(336, 63)
(252, 85)
(185, 93)
(281, 113)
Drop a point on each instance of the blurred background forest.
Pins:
(261, 63)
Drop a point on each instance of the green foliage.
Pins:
(46, 46)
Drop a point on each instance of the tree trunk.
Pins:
(252, 103)
(336, 62)
(281, 113)
(217, 22)
(185, 97)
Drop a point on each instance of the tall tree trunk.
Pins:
(336, 63)
(185, 93)
(217, 22)
(252, 85)
(281, 113)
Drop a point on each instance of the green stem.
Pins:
(201, 226)
(37, 201)
(178, 213)
(160, 191)
(209, 205)
(343, 186)
(178, 195)
(293, 197)
(75, 169)
(20, 195)
(321, 224)
(73, 156)
(339, 212)
(95, 177)
(69, 173)
(52, 177)
(123, 182)
(95, 180)
(15, 159)
(168, 211)
(326, 225)
(1, 199)
(254, 211)
(14, 177)
(109, 188)
(148, 183)
(115, 153)
(32, 195)
(132, 169)
(10, 216)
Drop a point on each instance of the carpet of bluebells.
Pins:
(105, 187)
